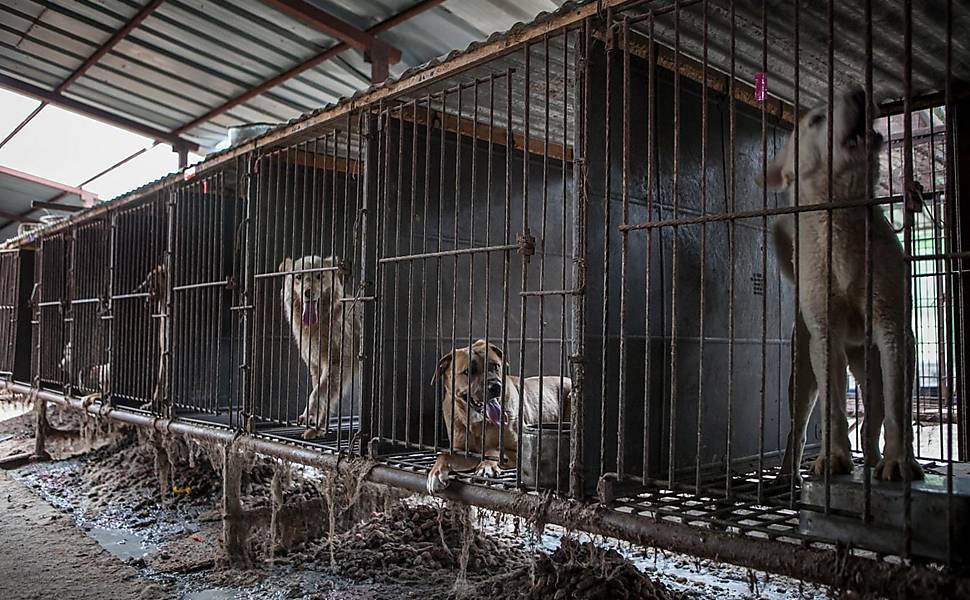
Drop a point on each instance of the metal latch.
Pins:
(527, 245)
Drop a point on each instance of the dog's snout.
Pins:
(494, 390)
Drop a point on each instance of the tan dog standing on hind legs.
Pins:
(475, 386)
(327, 331)
(841, 330)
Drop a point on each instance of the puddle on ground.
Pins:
(120, 542)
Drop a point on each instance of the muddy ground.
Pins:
(120, 514)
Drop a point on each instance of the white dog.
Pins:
(327, 332)
(892, 354)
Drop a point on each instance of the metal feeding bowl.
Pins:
(545, 456)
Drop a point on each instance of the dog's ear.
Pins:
(443, 363)
(286, 265)
(779, 174)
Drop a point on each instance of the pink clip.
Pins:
(761, 86)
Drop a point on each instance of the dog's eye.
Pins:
(493, 367)
(816, 120)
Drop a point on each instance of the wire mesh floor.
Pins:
(759, 505)
(339, 437)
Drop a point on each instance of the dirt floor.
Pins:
(112, 517)
(45, 555)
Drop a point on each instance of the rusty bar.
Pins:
(732, 234)
(409, 342)
(438, 419)
(382, 176)
(764, 264)
(488, 217)
(675, 255)
(577, 475)
(701, 303)
(542, 244)
(454, 284)
(396, 282)
(624, 256)
(424, 268)
(952, 282)
(749, 214)
(651, 156)
(907, 416)
(524, 284)
(867, 350)
(827, 369)
(446, 253)
(563, 364)
(607, 192)
(506, 260)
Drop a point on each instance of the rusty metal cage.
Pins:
(85, 351)
(51, 351)
(139, 303)
(16, 285)
(306, 317)
(476, 195)
(203, 330)
(593, 197)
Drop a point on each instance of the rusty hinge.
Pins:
(527, 245)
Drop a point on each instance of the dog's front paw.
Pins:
(893, 468)
(836, 462)
(488, 468)
(311, 434)
(438, 479)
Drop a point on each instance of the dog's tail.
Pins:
(783, 234)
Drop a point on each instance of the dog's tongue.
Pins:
(310, 315)
(493, 411)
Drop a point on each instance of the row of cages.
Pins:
(561, 270)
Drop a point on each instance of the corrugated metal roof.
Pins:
(189, 56)
(928, 26)
(19, 190)
(929, 23)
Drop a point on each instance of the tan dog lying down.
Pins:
(892, 353)
(327, 331)
(475, 385)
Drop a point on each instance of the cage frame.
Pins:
(585, 17)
